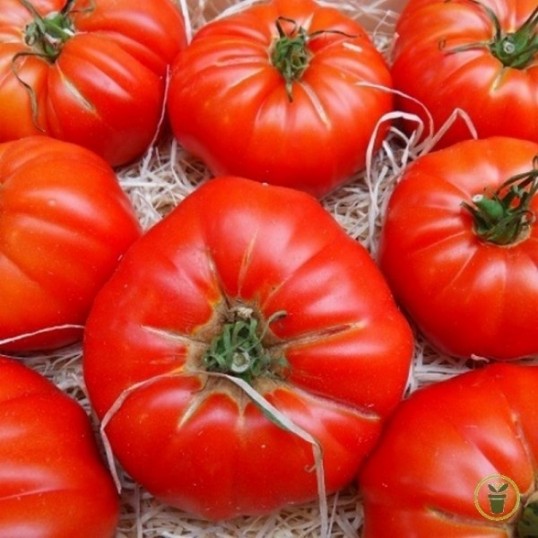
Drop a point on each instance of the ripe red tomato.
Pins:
(64, 223)
(446, 448)
(90, 72)
(478, 56)
(468, 276)
(301, 314)
(287, 92)
(52, 480)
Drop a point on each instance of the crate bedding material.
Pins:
(160, 180)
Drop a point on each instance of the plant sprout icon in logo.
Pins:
(497, 497)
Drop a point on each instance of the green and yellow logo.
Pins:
(497, 497)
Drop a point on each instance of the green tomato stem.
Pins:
(516, 49)
(48, 34)
(238, 349)
(504, 216)
(527, 525)
(290, 54)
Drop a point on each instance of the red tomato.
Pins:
(293, 106)
(478, 56)
(53, 483)
(64, 223)
(308, 321)
(99, 81)
(468, 277)
(446, 449)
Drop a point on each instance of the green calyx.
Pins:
(290, 54)
(513, 49)
(238, 350)
(527, 525)
(504, 216)
(48, 34)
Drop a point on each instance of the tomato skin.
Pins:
(53, 483)
(500, 101)
(105, 91)
(438, 446)
(197, 442)
(468, 296)
(64, 224)
(229, 105)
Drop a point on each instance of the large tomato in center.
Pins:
(244, 285)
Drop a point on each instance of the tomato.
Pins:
(449, 446)
(459, 247)
(64, 224)
(52, 479)
(91, 72)
(477, 56)
(288, 92)
(238, 284)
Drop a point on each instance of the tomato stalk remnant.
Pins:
(239, 351)
(505, 216)
(527, 526)
(47, 34)
(290, 54)
(513, 49)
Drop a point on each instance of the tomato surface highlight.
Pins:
(288, 92)
(258, 284)
(64, 224)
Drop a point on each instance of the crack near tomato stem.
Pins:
(315, 336)
(186, 339)
(246, 261)
(212, 265)
(445, 515)
(76, 93)
(317, 105)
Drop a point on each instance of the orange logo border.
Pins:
(483, 513)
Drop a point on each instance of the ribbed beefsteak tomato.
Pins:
(458, 459)
(288, 92)
(53, 483)
(64, 224)
(244, 286)
(92, 72)
(459, 247)
(480, 56)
